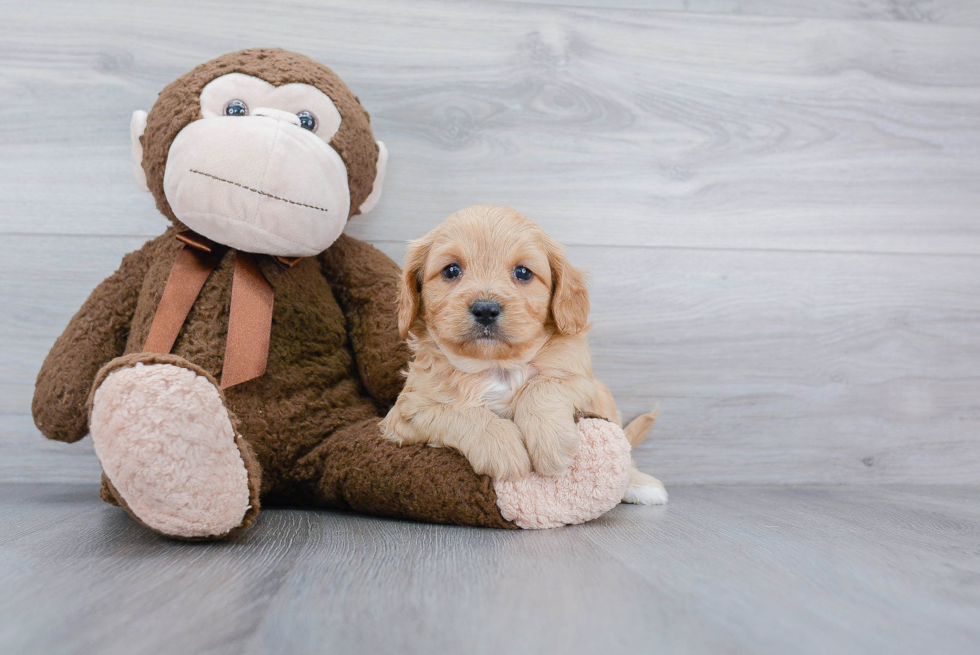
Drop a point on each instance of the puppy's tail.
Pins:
(639, 428)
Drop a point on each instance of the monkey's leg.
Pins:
(358, 469)
(170, 450)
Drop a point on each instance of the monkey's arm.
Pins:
(365, 282)
(96, 334)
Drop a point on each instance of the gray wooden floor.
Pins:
(778, 203)
(721, 569)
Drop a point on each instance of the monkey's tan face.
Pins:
(257, 171)
(486, 287)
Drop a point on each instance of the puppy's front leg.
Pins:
(493, 446)
(545, 414)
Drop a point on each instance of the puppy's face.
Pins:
(488, 283)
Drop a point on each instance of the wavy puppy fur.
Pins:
(497, 319)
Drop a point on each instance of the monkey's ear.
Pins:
(379, 178)
(137, 125)
(410, 288)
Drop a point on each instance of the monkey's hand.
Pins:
(94, 336)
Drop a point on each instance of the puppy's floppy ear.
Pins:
(410, 288)
(569, 295)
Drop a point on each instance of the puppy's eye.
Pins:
(452, 272)
(522, 273)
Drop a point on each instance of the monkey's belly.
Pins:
(309, 390)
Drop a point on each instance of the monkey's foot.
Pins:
(590, 487)
(170, 452)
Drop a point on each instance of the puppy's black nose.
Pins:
(485, 312)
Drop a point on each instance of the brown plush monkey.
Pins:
(248, 352)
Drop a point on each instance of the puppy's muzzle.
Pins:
(485, 312)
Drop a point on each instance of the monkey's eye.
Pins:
(452, 272)
(307, 120)
(236, 108)
(522, 273)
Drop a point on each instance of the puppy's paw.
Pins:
(390, 434)
(398, 430)
(551, 442)
(500, 452)
(645, 489)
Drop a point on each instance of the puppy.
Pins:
(496, 318)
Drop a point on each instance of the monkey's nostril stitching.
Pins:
(261, 193)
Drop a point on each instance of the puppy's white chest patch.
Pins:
(501, 385)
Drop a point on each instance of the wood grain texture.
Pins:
(720, 569)
(682, 130)
(946, 12)
(771, 367)
(779, 214)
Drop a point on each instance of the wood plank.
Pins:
(708, 138)
(26, 456)
(609, 127)
(946, 12)
(767, 366)
(42, 286)
(795, 561)
(720, 569)
(97, 582)
(422, 589)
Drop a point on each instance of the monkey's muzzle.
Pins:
(259, 184)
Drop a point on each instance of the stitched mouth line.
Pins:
(261, 193)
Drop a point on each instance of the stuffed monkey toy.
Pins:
(247, 353)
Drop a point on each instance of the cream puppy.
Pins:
(497, 320)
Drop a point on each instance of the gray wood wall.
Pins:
(778, 202)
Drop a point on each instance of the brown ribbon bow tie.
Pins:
(250, 320)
